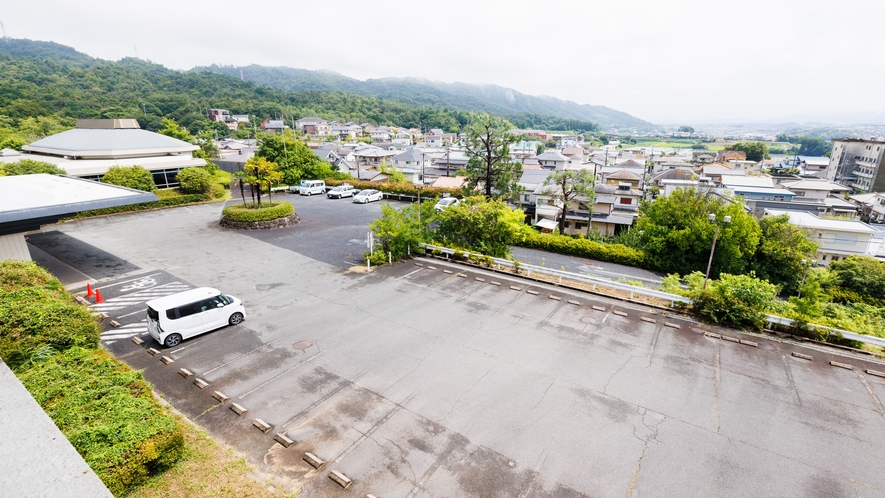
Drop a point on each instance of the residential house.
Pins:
(450, 181)
(521, 150)
(748, 181)
(750, 167)
(702, 157)
(837, 239)
(717, 171)
(412, 163)
(372, 156)
(273, 125)
(815, 189)
(223, 116)
(552, 159)
(380, 134)
(622, 176)
(626, 197)
(312, 121)
(367, 127)
(723, 156)
(344, 132)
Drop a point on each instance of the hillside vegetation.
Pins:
(40, 80)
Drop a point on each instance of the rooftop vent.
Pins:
(108, 124)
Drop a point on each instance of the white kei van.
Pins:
(310, 187)
(173, 318)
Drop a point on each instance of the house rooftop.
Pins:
(808, 220)
(815, 185)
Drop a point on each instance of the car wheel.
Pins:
(236, 318)
(172, 340)
(309, 193)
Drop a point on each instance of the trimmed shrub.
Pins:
(735, 301)
(108, 413)
(194, 181)
(30, 167)
(564, 244)
(404, 188)
(36, 312)
(133, 177)
(250, 212)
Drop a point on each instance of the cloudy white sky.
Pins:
(682, 61)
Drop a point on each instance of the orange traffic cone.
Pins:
(89, 291)
(98, 298)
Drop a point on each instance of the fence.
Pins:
(642, 291)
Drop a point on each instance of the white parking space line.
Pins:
(134, 312)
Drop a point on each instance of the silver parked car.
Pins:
(341, 191)
(446, 202)
(366, 196)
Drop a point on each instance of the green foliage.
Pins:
(808, 146)
(756, 151)
(393, 175)
(861, 275)
(686, 129)
(106, 410)
(194, 181)
(36, 311)
(252, 212)
(677, 236)
(564, 244)
(30, 167)
(489, 164)
(483, 225)
(172, 129)
(108, 413)
(568, 185)
(295, 159)
(132, 176)
(168, 198)
(404, 188)
(782, 248)
(399, 231)
(734, 301)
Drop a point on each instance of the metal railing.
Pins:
(642, 291)
(560, 275)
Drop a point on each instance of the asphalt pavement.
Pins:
(426, 378)
(586, 266)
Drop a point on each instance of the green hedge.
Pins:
(404, 188)
(563, 244)
(250, 212)
(106, 410)
(36, 311)
(108, 413)
(172, 201)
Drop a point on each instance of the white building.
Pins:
(837, 239)
(90, 149)
(858, 164)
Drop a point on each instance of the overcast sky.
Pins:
(682, 62)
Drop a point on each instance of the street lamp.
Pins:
(805, 264)
(725, 221)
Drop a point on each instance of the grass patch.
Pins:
(250, 212)
(207, 469)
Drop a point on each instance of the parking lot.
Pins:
(435, 380)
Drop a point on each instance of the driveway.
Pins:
(430, 379)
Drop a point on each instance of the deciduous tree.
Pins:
(566, 186)
(782, 247)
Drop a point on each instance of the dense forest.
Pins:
(45, 86)
(518, 107)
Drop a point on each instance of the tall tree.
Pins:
(677, 234)
(297, 162)
(756, 151)
(489, 164)
(565, 186)
(261, 174)
(782, 247)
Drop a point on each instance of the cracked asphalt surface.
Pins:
(416, 382)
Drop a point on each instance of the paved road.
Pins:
(417, 381)
(586, 266)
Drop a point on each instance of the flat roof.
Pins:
(28, 201)
(808, 220)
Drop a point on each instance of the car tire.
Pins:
(309, 193)
(172, 340)
(236, 318)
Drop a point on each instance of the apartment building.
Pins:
(857, 163)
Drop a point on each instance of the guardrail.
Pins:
(632, 289)
(540, 270)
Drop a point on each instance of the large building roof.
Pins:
(808, 220)
(28, 201)
(92, 143)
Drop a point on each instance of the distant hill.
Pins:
(414, 91)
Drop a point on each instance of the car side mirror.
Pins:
(219, 305)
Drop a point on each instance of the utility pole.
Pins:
(3, 28)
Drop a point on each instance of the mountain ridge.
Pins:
(488, 97)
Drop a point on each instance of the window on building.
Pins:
(845, 239)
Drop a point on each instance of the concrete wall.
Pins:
(14, 247)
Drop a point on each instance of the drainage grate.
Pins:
(301, 345)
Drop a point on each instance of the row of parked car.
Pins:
(311, 187)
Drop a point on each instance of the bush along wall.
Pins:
(404, 188)
(106, 410)
(611, 253)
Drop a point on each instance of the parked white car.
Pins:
(341, 191)
(311, 187)
(366, 196)
(446, 202)
(171, 319)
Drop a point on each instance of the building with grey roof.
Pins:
(90, 149)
